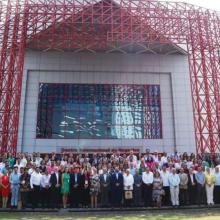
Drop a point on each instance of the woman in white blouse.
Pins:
(128, 187)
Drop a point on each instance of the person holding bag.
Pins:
(128, 187)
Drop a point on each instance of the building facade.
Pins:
(121, 126)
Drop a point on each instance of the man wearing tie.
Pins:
(75, 187)
(117, 187)
(55, 182)
(104, 187)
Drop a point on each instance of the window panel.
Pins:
(99, 111)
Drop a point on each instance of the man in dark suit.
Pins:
(117, 187)
(192, 187)
(55, 181)
(137, 188)
(104, 187)
(75, 187)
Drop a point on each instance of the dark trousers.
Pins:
(192, 191)
(200, 194)
(45, 197)
(217, 194)
(24, 198)
(166, 197)
(128, 202)
(183, 196)
(54, 197)
(36, 196)
(85, 197)
(117, 196)
(148, 195)
(75, 198)
(137, 196)
(105, 196)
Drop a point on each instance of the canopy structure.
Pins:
(138, 26)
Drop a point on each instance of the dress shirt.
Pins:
(23, 162)
(132, 171)
(38, 161)
(174, 180)
(45, 181)
(35, 179)
(2, 167)
(15, 179)
(105, 177)
(164, 176)
(210, 179)
(200, 178)
(183, 180)
(116, 176)
(164, 160)
(192, 179)
(128, 181)
(217, 179)
(57, 176)
(147, 178)
(76, 179)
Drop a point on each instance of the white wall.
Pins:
(171, 72)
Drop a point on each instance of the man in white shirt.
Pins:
(128, 186)
(38, 160)
(35, 182)
(166, 187)
(147, 178)
(164, 158)
(155, 156)
(174, 181)
(23, 162)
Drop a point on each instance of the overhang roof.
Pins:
(92, 33)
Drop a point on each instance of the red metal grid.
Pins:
(99, 25)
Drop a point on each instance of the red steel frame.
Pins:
(95, 25)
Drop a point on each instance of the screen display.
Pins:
(99, 111)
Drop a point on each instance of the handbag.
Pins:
(128, 194)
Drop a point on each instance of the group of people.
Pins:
(108, 180)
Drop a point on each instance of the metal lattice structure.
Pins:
(95, 25)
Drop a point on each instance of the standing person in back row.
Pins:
(174, 181)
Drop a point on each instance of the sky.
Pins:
(211, 4)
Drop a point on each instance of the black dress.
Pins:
(86, 190)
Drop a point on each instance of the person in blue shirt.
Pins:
(15, 186)
(200, 179)
(174, 181)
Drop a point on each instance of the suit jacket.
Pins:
(103, 183)
(117, 183)
(76, 184)
(137, 181)
(53, 179)
(190, 182)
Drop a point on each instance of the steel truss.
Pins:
(95, 25)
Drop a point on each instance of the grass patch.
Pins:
(139, 215)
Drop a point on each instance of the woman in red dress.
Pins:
(5, 185)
